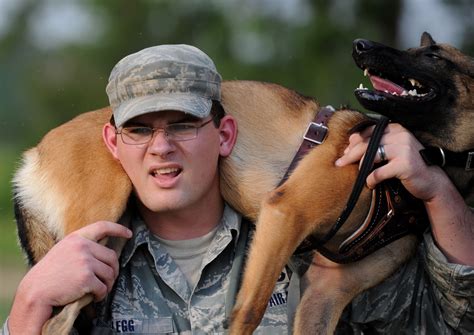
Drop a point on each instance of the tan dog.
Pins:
(70, 180)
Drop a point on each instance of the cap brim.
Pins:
(183, 102)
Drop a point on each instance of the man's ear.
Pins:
(110, 139)
(228, 135)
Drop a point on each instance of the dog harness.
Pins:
(393, 211)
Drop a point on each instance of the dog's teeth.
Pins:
(415, 83)
(404, 93)
(366, 72)
(413, 92)
(361, 87)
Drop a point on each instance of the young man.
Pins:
(178, 272)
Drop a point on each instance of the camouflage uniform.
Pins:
(428, 295)
(152, 296)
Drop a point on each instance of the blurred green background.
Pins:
(56, 55)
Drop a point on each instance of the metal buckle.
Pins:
(470, 161)
(320, 133)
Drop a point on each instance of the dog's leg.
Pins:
(271, 247)
(308, 202)
(329, 287)
(62, 323)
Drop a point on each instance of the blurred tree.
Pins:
(309, 51)
(303, 44)
(465, 13)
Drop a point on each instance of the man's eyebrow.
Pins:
(133, 123)
(186, 118)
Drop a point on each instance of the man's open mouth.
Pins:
(395, 87)
(168, 172)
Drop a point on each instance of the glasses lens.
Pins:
(181, 131)
(137, 135)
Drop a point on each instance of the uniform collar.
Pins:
(229, 229)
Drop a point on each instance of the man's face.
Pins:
(170, 175)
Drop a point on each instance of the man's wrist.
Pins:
(452, 224)
(29, 311)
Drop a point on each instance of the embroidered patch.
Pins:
(142, 326)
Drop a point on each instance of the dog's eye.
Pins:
(433, 56)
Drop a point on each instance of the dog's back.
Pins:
(271, 123)
(67, 181)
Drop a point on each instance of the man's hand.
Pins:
(75, 266)
(452, 221)
(403, 161)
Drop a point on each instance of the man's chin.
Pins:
(168, 203)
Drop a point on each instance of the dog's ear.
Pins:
(426, 40)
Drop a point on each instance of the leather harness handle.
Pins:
(364, 171)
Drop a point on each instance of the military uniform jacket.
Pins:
(428, 295)
(152, 296)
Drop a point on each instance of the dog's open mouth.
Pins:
(394, 87)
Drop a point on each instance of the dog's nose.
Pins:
(360, 45)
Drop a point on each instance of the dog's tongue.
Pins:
(384, 85)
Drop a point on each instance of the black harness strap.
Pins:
(365, 169)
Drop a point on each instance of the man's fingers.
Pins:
(98, 230)
(98, 288)
(377, 176)
(106, 256)
(105, 274)
(353, 155)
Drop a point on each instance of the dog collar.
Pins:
(443, 157)
(314, 135)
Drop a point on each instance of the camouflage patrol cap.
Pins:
(165, 77)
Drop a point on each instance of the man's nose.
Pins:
(160, 143)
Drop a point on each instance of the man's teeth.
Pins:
(163, 171)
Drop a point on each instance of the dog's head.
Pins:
(429, 89)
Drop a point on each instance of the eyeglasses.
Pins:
(135, 135)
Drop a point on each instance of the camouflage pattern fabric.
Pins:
(428, 295)
(152, 296)
(164, 77)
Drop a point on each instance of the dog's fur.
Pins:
(70, 180)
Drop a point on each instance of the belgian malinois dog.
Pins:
(56, 188)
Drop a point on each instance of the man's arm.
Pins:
(447, 253)
(452, 221)
(77, 265)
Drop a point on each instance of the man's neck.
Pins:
(185, 223)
